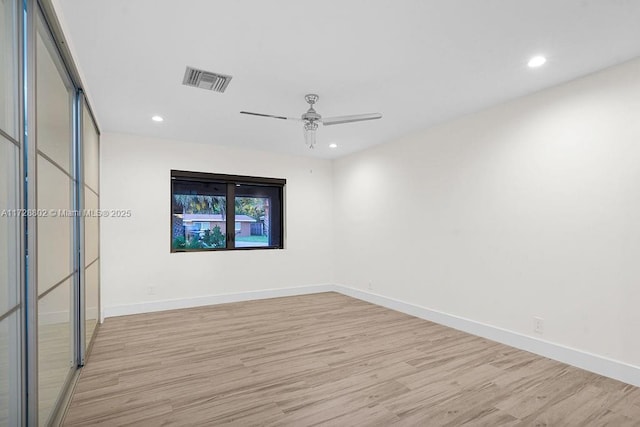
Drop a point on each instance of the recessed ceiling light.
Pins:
(157, 119)
(537, 61)
(334, 145)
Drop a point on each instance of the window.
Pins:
(224, 212)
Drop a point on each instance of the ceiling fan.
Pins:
(311, 119)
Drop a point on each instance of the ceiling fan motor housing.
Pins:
(311, 116)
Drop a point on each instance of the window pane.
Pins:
(9, 295)
(199, 215)
(9, 291)
(91, 150)
(8, 68)
(91, 227)
(91, 300)
(217, 211)
(55, 346)
(258, 216)
(53, 104)
(9, 369)
(91, 273)
(55, 233)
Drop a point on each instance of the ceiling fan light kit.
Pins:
(310, 133)
(311, 119)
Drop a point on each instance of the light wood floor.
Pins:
(332, 360)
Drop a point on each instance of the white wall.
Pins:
(135, 252)
(531, 208)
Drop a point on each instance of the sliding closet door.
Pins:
(10, 304)
(57, 274)
(10, 301)
(91, 197)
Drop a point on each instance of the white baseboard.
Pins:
(618, 370)
(173, 304)
(588, 361)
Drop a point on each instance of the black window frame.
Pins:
(231, 181)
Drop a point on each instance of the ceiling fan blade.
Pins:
(269, 115)
(327, 121)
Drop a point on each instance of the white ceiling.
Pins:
(418, 62)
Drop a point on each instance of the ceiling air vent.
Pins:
(206, 80)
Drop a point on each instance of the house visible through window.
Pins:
(203, 218)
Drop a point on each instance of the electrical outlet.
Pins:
(538, 325)
(370, 286)
(151, 290)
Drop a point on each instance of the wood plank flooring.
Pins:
(327, 359)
